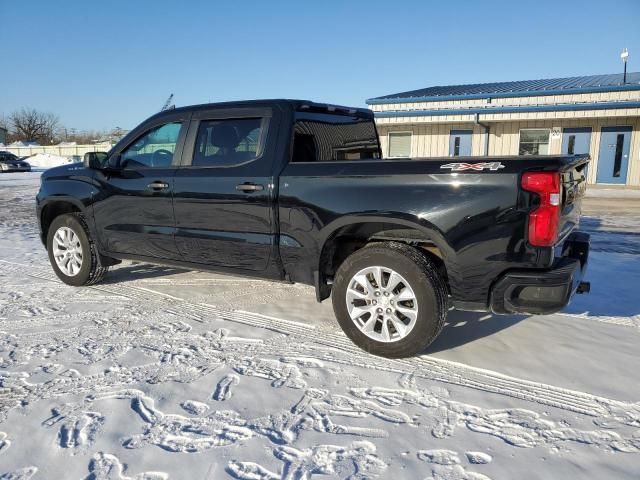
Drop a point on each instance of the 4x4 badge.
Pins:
(460, 167)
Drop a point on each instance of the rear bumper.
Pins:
(546, 291)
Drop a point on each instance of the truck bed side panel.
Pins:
(473, 218)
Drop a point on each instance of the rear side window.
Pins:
(228, 142)
(322, 137)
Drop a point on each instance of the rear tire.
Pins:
(72, 253)
(408, 309)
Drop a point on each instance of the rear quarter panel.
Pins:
(474, 218)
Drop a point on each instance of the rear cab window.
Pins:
(330, 137)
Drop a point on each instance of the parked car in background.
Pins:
(299, 192)
(10, 163)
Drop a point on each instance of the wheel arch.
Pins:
(54, 207)
(346, 236)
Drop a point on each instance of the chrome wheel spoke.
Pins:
(399, 325)
(377, 276)
(407, 312)
(386, 335)
(370, 325)
(364, 282)
(358, 312)
(394, 280)
(405, 294)
(357, 294)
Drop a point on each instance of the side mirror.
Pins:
(95, 160)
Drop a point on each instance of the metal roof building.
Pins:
(598, 114)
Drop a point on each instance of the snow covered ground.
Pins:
(161, 373)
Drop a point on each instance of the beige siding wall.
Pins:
(432, 140)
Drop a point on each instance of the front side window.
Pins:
(228, 142)
(325, 137)
(399, 144)
(154, 149)
(534, 142)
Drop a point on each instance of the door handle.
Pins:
(157, 185)
(249, 187)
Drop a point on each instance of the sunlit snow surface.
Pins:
(160, 373)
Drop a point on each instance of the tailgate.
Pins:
(574, 184)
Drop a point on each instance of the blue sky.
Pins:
(106, 64)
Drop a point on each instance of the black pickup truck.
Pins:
(299, 192)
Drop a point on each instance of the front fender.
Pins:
(77, 192)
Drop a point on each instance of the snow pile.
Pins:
(46, 160)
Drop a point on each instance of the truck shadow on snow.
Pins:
(139, 271)
(465, 327)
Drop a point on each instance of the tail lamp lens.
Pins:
(544, 220)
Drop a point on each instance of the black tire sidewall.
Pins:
(428, 323)
(74, 224)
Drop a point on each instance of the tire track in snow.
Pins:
(421, 367)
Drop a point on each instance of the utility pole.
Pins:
(624, 55)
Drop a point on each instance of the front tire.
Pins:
(390, 299)
(72, 252)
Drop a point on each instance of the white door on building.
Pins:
(613, 158)
(460, 143)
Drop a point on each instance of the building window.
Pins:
(534, 141)
(400, 144)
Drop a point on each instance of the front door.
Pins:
(576, 141)
(134, 213)
(613, 159)
(223, 194)
(460, 143)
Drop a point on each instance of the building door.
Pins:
(576, 141)
(460, 143)
(613, 158)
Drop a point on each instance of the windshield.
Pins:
(8, 157)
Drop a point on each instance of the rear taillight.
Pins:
(544, 220)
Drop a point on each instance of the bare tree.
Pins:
(32, 125)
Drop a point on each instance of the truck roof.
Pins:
(296, 105)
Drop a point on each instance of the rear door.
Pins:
(134, 213)
(613, 158)
(224, 193)
(576, 141)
